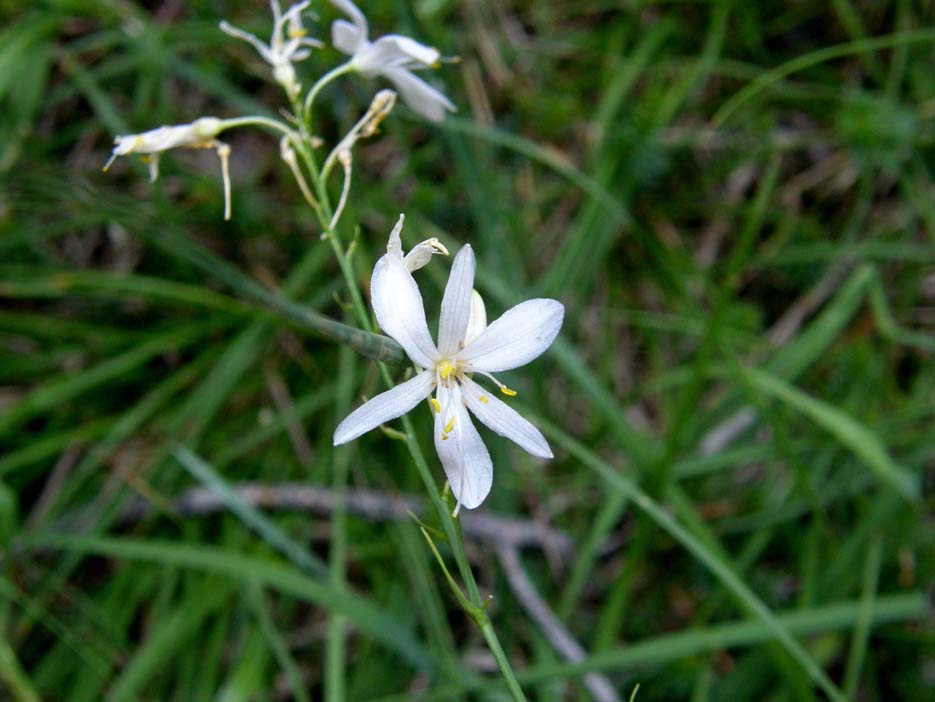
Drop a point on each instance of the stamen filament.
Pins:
(503, 388)
(224, 152)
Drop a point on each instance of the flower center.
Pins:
(446, 369)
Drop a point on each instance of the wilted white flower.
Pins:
(521, 334)
(199, 134)
(288, 43)
(394, 57)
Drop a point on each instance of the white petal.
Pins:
(355, 15)
(521, 334)
(419, 95)
(504, 420)
(456, 304)
(463, 455)
(478, 321)
(155, 140)
(386, 406)
(346, 37)
(237, 33)
(398, 306)
(395, 244)
(394, 49)
(124, 145)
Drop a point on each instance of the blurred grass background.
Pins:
(734, 201)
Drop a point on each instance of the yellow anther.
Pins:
(445, 369)
(436, 405)
(506, 391)
(444, 437)
(297, 33)
(138, 142)
(449, 426)
(484, 399)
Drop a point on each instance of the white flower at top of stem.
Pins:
(199, 134)
(392, 56)
(520, 335)
(288, 43)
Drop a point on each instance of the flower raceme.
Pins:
(520, 335)
(392, 56)
(288, 44)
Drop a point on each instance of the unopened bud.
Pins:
(381, 105)
(286, 152)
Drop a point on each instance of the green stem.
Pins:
(478, 612)
(335, 646)
(317, 88)
(256, 121)
(493, 643)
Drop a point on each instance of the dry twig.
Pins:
(369, 504)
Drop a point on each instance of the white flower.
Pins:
(199, 134)
(516, 338)
(287, 44)
(394, 57)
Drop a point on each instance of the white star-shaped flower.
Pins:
(520, 335)
(287, 44)
(392, 56)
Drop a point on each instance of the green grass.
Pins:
(734, 201)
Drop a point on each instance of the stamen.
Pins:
(436, 405)
(437, 245)
(445, 370)
(153, 162)
(224, 152)
(484, 399)
(110, 161)
(450, 425)
(503, 388)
